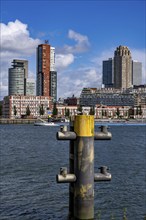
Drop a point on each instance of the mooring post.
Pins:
(84, 167)
(71, 170)
(81, 174)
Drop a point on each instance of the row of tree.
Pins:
(28, 112)
(131, 111)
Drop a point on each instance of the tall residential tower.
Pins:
(19, 83)
(17, 77)
(46, 82)
(122, 68)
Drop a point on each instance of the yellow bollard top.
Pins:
(84, 125)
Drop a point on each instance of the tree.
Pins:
(42, 111)
(15, 110)
(118, 112)
(140, 110)
(67, 112)
(55, 110)
(92, 111)
(131, 112)
(28, 111)
(79, 109)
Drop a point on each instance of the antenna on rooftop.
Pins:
(46, 41)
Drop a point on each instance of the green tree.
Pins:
(140, 110)
(15, 110)
(55, 110)
(118, 112)
(80, 109)
(67, 112)
(131, 112)
(103, 112)
(42, 111)
(92, 111)
(28, 110)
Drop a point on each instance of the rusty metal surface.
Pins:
(71, 170)
(84, 171)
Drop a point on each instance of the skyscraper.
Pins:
(19, 84)
(25, 65)
(136, 73)
(122, 68)
(108, 73)
(17, 78)
(53, 76)
(46, 65)
(30, 87)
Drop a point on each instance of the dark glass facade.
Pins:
(108, 73)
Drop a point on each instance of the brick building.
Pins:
(22, 102)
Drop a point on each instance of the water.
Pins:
(31, 157)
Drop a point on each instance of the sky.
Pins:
(84, 33)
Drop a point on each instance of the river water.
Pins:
(31, 157)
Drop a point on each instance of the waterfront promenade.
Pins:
(31, 121)
(16, 121)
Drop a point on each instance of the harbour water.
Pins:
(31, 157)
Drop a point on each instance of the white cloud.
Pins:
(82, 43)
(16, 43)
(140, 55)
(72, 82)
(15, 39)
(63, 61)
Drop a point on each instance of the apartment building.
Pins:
(16, 106)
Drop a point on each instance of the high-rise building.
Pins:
(46, 74)
(19, 84)
(25, 65)
(122, 68)
(136, 73)
(30, 87)
(16, 78)
(108, 73)
(53, 85)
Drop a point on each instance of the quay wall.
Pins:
(16, 121)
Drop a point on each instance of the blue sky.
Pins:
(84, 34)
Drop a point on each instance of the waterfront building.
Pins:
(108, 73)
(62, 109)
(20, 104)
(71, 101)
(136, 73)
(112, 97)
(46, 74)
(111, 112)
(18, 81)
(16, 78)
(105, 112)
(122, 68)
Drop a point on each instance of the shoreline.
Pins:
(31, 121)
